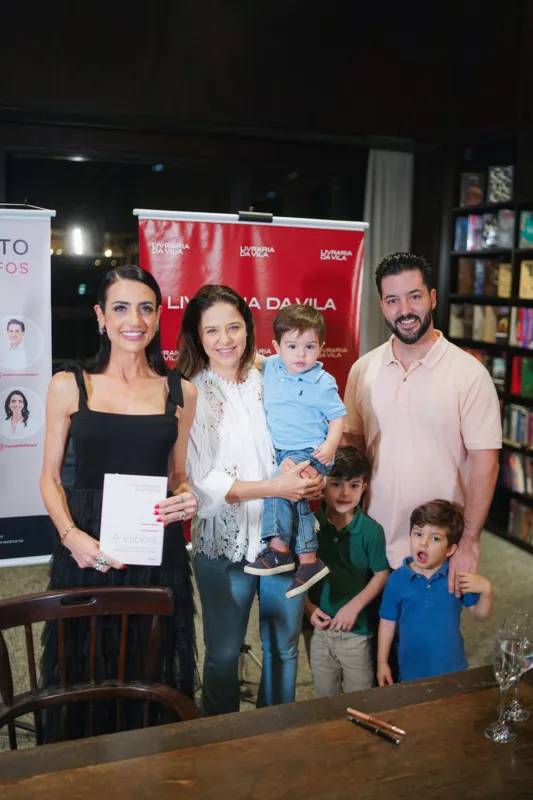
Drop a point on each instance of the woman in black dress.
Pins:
(123, 417)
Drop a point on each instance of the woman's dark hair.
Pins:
(192, 357)
(25, 409)
(153, 350)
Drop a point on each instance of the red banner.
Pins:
(270, 265)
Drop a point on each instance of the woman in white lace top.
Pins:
(229, 464)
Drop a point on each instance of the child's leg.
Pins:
(325, 666)
(276, 535)
(355, 655)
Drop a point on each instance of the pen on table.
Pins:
(372, 729)
(378, 723)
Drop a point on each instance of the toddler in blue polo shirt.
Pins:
(417, 600)
(305, 417)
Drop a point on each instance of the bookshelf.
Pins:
(488, 303)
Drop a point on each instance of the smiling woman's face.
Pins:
(130, 316)
(223, 336)
(16, 404)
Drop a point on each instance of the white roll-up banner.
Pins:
(26, 533)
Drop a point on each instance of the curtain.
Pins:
(388, 209)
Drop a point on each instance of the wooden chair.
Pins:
(93, 603)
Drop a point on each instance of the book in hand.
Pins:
(525, 290)
(504, 280)
(500, 184)
(465, 276)
(475, 232)
(506, 228)
(461, 233)
(525, 239)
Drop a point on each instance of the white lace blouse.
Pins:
(229, 441)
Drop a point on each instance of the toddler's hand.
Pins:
(472, 582)
(324, 453)
(384, 675)
(319, 619)
(286, 465)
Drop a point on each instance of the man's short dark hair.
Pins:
(440, 514)
(401, 262)
(350, 464)
(16, 322)
(299, 318)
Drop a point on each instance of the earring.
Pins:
(157, 328)
(101, 330)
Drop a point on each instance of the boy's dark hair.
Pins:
(299, 318)
(441, 514)
(350, 464)
(401, 262)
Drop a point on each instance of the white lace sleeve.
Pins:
(209, 484)
(229, 441)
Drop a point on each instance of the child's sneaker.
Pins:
(271, 562)
(306, 576)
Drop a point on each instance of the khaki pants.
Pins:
(340, 659)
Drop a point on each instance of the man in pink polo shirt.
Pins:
(427, 415)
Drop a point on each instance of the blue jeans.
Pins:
(227, 594)
(282, 518)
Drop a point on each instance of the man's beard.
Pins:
(417, 333)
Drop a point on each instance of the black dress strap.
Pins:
(175, 392)
(77, 371)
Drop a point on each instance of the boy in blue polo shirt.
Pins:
(417, 600)
(305, 417)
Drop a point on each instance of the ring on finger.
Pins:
(103, 562)
(181, 515)
(98, 567)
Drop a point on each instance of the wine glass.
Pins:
(519, 626)
(507, 662)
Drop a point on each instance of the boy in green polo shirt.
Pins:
(343, 608)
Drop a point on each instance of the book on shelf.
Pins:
(475, 232)
(500, 184)
(495, 365)
(461, 233)
(521, 327)
(478, 324)
(479, 276)
(525, 239)
(505, 274)
(468, 320)
(525, 290)
(490, 230)
(522, 376)
(456, 327)
(517, 473)
(506, 220)
(520, 524)
(517, 425)
(472, 191)
(465, 276)
(492, 269)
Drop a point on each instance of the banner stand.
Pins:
(26, 532)
(271, 261)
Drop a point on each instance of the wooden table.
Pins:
(301, 751)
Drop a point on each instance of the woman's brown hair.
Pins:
(192, 357)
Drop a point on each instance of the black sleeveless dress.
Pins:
(132, 445)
